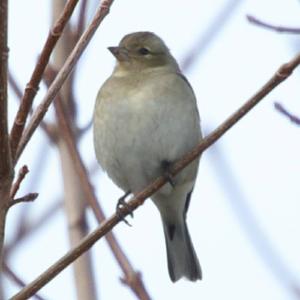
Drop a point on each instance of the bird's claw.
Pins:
(166, 165)
(122, 207)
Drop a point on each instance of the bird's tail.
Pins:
(182, 258)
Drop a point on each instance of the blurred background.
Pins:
(244, 214)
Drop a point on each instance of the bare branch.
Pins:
(29, 229)
(81, 18)
(85, 128)
(48, 128)
(27, 198)
(6, 170)
(14, 85)
(14, 277)
(281, 109)
(280, 29)
(283, 72)
(100, 14)
(74, 200)
(210, 33)
(5, 157)
(15, 187)
(33, 85)
(131, 277)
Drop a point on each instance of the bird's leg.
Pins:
(166, 166)
(121, 204)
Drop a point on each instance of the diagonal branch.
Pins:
(27, 198)
(15, 187)
(281, 29)
(294, 119)
(100, 14)
(48, 128)
(283, 73)
(205, 40)
(131, 278)
(33, 85)
(14, 277)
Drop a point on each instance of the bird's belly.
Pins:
(132, 143)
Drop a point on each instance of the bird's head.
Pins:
(142, 51)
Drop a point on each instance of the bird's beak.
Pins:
(120, 53)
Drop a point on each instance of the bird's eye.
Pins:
(143, 51)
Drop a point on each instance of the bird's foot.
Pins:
(166, 166)
(123, 208)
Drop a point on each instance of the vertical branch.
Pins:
(5, 156)
(81, 18)
(5, 161)
(75, 205)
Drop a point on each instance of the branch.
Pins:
(283, 72)
(27, 198)
(6, 170)
(281, 109)
(100, 14)
(33, 85)
(15, 187)
(131, 277)
(210, 33)
(14, 85)
(13, 276)
(5, 157)
(48, 128)
(281, 29)
(74, 200)
(82, 130)
(81, 18)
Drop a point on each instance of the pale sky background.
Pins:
(261, 152)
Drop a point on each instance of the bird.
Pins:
(145, 118)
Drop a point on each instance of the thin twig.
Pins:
(283, 73)
(210, 33)
(281, 29)
(131, 278)
(21, 225)
(33, 85)
(29, 228)
(281, 109)
(14, 85)
(14, 277)
(27, 198)
(48, 128)
(81, 18)
(82, 130)
(15, 187)
(100, 14)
